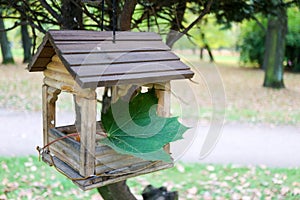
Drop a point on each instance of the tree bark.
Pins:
(275, 48)
(71, 15)
(176, 23)
(116, 191)
(27, 43)
(126, 15)
(5, 44)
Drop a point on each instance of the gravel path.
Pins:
(240, 143)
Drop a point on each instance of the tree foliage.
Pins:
(252, 41)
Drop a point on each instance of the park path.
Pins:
(240, 143)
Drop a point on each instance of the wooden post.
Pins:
(163, 93)
(50, 95)
(87, 134)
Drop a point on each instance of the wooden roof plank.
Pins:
(36, 56)
(92, 82)
(93, 60)
(128, 68)
(109, 58)
(105, 46)
(82, 35)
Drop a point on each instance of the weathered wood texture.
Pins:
(163, 93)
(93, 60)
(106, 161)
(87, 135)
(49, 99)
(99, 181)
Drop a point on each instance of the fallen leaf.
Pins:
(296, 184)
(11, 187)
(28, 164)
(246, 198)
(242, 180)
(96, 197)
(207, 196)
(3, 197)
(277, 181)
(213, 176)
(236, 196)
(228, 178)
(192, 190)
(264, 183)
(33, 168)
(26, 193)
(296, 191)
(169, 185)
(5, 181)
(210, 168)
(4, 166)
(180, 168)
(284, 190)
(268, 192)
(224, 184)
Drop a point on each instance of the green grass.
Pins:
(27, 178)
(224, 59)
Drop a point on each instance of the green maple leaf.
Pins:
(134, 128)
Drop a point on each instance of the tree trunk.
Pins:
(26, 42)
(211, 57)
(116, 191)
(176, 24)
(275, 48)
(7, 56)
(72, 15)
(126, 15)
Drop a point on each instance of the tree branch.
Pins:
(259, 24)
(13, 27)
(126, 14)
(51, 11)
(202, 14)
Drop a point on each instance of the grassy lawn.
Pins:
(27, 178)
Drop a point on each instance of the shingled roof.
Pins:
(93, 59)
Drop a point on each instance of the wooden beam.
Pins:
(71, 88)
(87, 135)
(163, 93)
(50, 95)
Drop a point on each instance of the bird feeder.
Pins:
(78, 62)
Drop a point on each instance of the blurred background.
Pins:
(246, 59)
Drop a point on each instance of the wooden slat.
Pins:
(83, 35)
(68, 142)
(163, 106)
(65, 154)
(37, 69)
(49, 98)
(47, 52)
(121, 46)
(108, 58)
(87, 135)
(95, 182)
(118, 164)
(152, 77)
(57, 67)
(36, 56)
(117, 69)
(41, 63)
(61, 77)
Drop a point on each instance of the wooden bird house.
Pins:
(78, 62)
